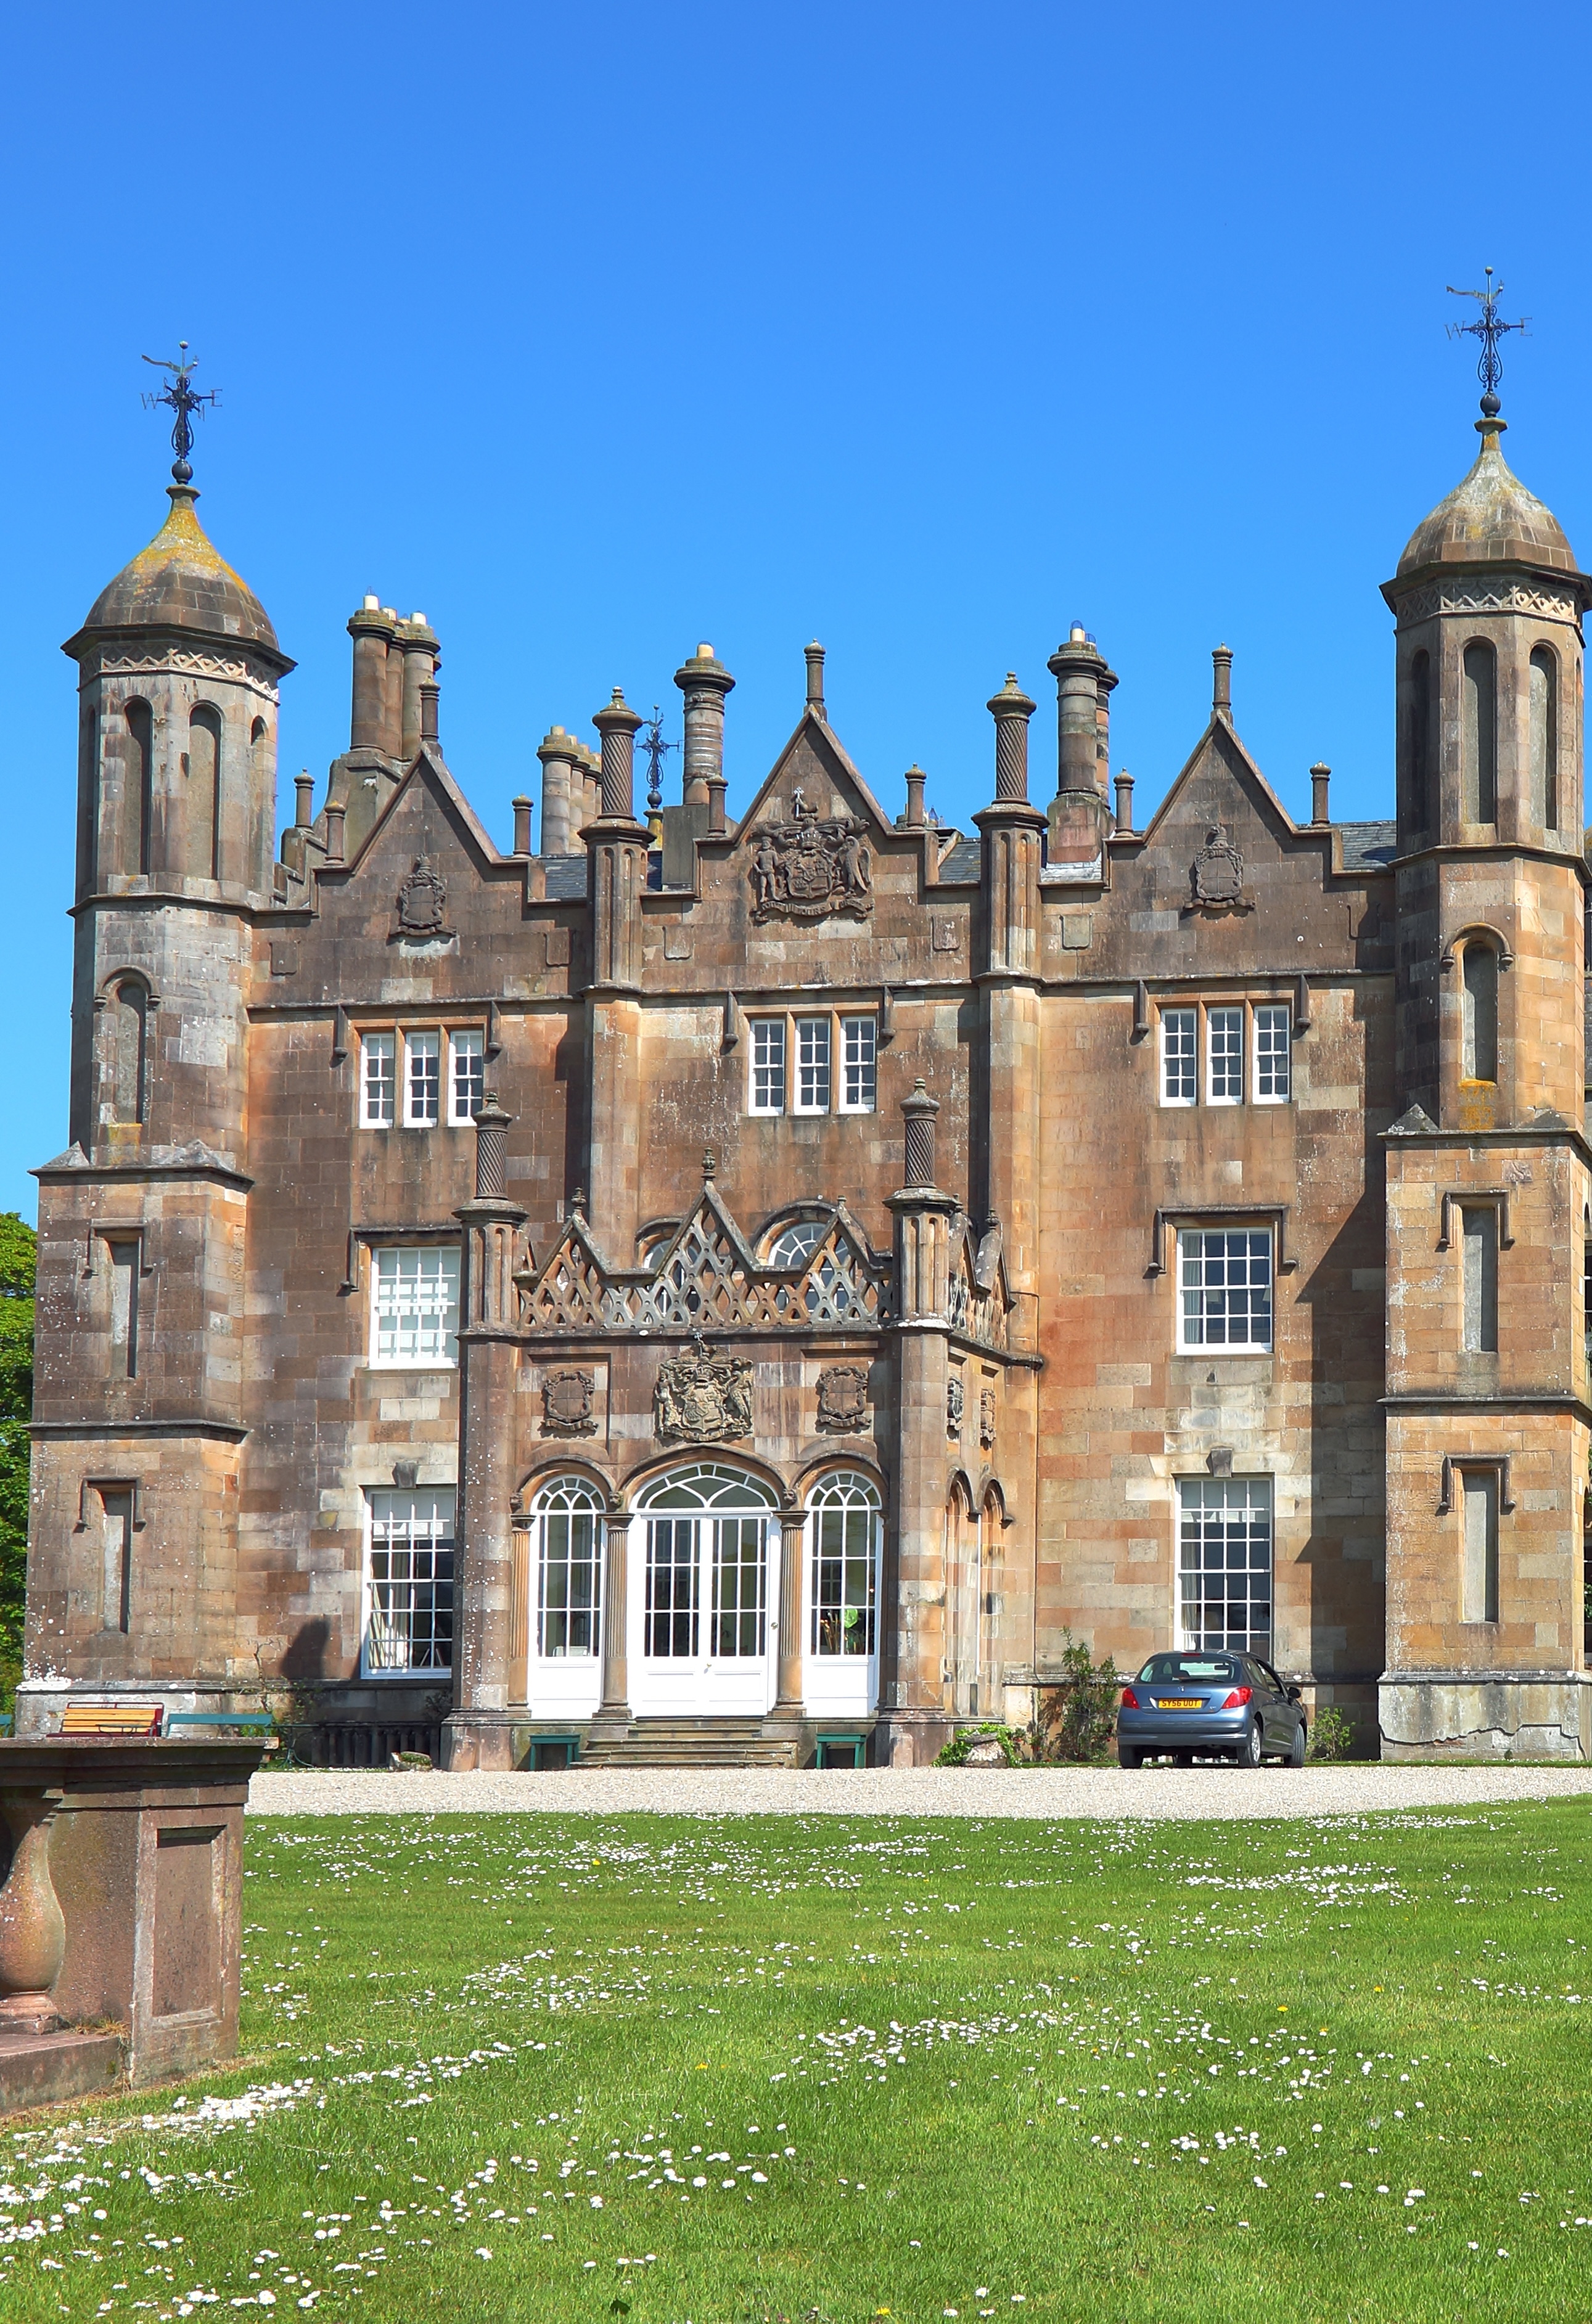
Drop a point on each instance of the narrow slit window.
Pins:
(1480, 1503)
(767, 1093)
(1273, 1028)
(1179, 1083)
(859, 1039)
(1545, 738)
(466, 1071)
(1478, 733)
(377, 1067)
(124, 1253)
(130, 1033)
(115, 1508)
(1418, 788)
(813, 1065)
(1224, 1050)
(422, 1080)
(1480, 1247)
(139, 796)
(203, 799)
(1478, 1060)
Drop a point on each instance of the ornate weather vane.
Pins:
(178, 396)
(656, 748)
(1489, 331)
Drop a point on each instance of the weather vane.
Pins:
(1489, 331)
(178, 396)
(655, 747)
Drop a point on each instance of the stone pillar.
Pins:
(705, 683)
(373, 633)
(913, 1718)
(788, 1720)
(614, 1716)
(477, 1733)
(563, 789)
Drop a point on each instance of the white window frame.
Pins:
(1225, 1505)
(851, 1043)
(858, 1090)
(815, 1062)
(1191, 1250)
(766, 1037)
(431, 1536)
(1217, 1025)
(423, 1043)
(1188, 1067)
(386, 1269)
(373, 1049)
(1277, 1064)
(562, 1504)
(468, 1044)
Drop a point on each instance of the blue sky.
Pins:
(596, 332)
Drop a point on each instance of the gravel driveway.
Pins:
(1109, 1791)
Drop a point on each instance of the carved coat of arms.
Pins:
(843, 1399)
(566, 1402)
(422, 901)
(1216, 876)
(701, 1398)
(953, 1407)
(811, 866)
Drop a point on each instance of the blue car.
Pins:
(1210, 1706)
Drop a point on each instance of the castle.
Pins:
(738, 1289)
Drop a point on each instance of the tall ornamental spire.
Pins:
(178, 396)
(1489, 331)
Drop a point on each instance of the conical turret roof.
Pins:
(180, 581)
(1489, 519)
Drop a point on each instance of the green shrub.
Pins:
(1077, 1715)
(955, 1754)
(1332, 1737)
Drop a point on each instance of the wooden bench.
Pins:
(111, 1719)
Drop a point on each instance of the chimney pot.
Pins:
(429, 693)
(1320, 776)
(1125, 805)
(304, 807)
(521, 826)
(915, 780)
(334, 831)
(373, 605)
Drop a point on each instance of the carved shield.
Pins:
(843, 1399)
(423, 898)
(565, 1403)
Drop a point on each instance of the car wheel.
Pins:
(1296, 1755)
(1253, 1746)
(1128, 1755)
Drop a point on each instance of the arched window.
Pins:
(569, 1518)
(129, 1031)
(796, 1242)
(138, 798)
(1479, 1050)
(833, 1291)
(844, 1528)
(1418, 792)
(203, 767)
(708, 1534)
(1545, 737)
(1478, 733)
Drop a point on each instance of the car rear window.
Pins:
(1190, 1670)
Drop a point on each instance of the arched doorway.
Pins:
(844, 1529)
(566, 1608)
(707, 1531)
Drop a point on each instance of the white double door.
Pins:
(702, 1622)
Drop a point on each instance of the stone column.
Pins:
(788, 1719)
(912, 1721)
(614, 1716)
(563, 789)
(705, 683)
(477, 1733)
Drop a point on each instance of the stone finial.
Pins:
(1221, 689)
(710, 1165)
(492, 1126)
(921, 1110)
(304, 800)
(521, 806)
(430, 694)
(1011, 709)
(1320, 776)
(915, 780)
(815, 679)
(617, 724)
(1125, 805)
(335, 813)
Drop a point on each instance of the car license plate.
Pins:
(1179, 1703)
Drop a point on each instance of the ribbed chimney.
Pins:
(705, 683)
(617, 723)
(1011, 709)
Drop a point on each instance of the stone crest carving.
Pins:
(986, 1418)
(811, 866)
(843, 1399)
(1216, 876)
(423, 900)
(701, 1398)
(953, 1407)
(567, 1401)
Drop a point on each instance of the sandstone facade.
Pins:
(785, 1275)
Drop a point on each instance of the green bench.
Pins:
(548, 1752)
(840, 1750)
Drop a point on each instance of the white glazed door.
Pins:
(703, 1647)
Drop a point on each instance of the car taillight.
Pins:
(1238, 1698)
(1130, 1701)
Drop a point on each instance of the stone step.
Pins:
(689, 1743)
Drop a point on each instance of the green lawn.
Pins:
(589, 2067)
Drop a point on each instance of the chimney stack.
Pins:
(1320, 776)
(303, 800)
(617, 723)
(373, 633)
(915, 780)
(1125, 805)
(1011, 709)
(563, 791)
(521, 806)
(420, 661)
(705, 683)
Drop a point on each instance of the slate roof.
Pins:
(564, 879)
(1368, 847)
